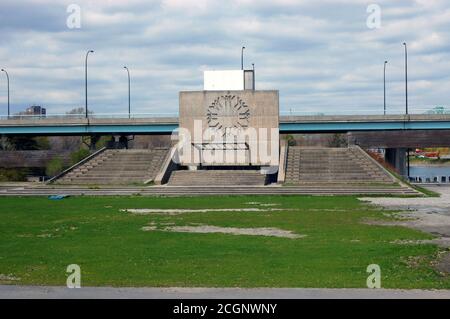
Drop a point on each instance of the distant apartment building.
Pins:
(34, 110)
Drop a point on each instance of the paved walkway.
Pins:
(46, 190)
(36, 292)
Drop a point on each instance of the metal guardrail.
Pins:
(84, 160)
(435, 179)
(375, 162)
(91, 116)
(359, 112)
(284, 112)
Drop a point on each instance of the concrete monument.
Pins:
(229, 127)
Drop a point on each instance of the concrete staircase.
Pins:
(333, 165)
(217, 178)
(117, 167)
(319, 190)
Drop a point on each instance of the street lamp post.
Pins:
(86, 82)
(7, 80)
(129, 92)
(384, 80)
(253, 66)
(242, 58)
(406, 98)
(406, 76)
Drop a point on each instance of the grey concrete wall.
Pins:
(31, 159)
(405, 139)
(262, 108)
(283, 161)
(397, 158)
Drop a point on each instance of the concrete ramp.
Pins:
(119, 167)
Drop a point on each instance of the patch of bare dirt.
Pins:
(414, 261)
(148, 211)
(431, 215)
(443, 264)
(10, 278)
(442, 242)
(262, 204)
(206, 229)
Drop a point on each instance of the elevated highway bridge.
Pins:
(166, 125)
(395, 133)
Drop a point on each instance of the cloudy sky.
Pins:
(321, 55)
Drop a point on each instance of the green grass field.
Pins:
(40, 237)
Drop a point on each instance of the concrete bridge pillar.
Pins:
(123, 142)
(94, 140)
(112, 142)
(91, 142)
(397, 158)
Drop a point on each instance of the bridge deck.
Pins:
(288, 124)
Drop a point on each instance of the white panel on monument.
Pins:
(229, 80)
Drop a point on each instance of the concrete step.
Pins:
(118, 167)
(118, 175)
(193, 191)
(336, 175)
(331, 164)
(349, 170)
(216, 177)
(128, 166)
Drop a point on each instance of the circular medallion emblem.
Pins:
(228, 112)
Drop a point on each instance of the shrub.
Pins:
(54, 166)
(77, 156)
(13, 174)
(42, 143)
(338, 140)
(290, 140)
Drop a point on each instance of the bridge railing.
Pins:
(92, 116)
(284, 112)
(359, 111)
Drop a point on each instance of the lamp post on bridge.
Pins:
(384, 80)
(129, 92)
(406, 76)
(254, 81)
(7, 80)
(86, 82)
(242, 58)
(406, 99)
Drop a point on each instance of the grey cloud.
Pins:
(320, 55)
(24, 15)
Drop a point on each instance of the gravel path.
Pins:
(428, 214)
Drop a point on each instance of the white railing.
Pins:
(283, 112)
(91, 116)
(354, 111)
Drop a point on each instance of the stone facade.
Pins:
(218, 123)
